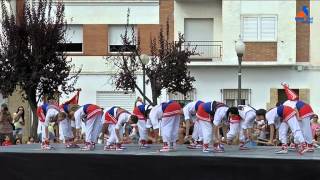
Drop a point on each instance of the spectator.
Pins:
(18, 121)
(315, 126)
(6, 128)
(18, 141)
(7, 141)
(30, 140)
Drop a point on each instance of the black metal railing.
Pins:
(205, 49)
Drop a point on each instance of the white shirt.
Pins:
(51, 114)
(273, 118)
(78, 116)
(290, 103)
(155, 115)
(245, 109)
(189, 110)
(122, 119)
(220, 115)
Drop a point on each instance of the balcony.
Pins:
(206, 50)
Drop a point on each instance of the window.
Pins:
(198, 29)
(198, 33)
(191, 96)
(259, 28)
(230, 96)
(74, 39)
(107, 99)
(115, 40)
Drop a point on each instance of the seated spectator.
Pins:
(7, 141)
(315, 125)
(17, 141)
(181, 133)
(31, 140)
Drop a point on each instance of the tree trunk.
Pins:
(32, 99)
(154, 91)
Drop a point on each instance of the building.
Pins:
(278, 48)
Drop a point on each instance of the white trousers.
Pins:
(293, 124)
(235, 129)
(43, 132)
(306, 129)
(113, 139)
(170, 128)
(206, 128)
(197, 131)
(143, 133)
(65, 130)
(93, 128)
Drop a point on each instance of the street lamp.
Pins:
(240, 49)
(144, 61)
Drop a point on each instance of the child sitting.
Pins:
(7, 141)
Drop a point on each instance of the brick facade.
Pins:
(146, 33)
(302, 35)
(166, 15)
(260, 51)
(95, 39)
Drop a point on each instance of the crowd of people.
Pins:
(12, 126)
(208, 126)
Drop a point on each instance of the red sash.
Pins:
(202, 114)
(172, 109)
(93, 110)
(235, 119)
(288, 112)
(138, 113)
(109, 119)
(305, 111)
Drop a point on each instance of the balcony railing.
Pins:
(206, 50)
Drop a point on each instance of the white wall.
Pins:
(209, 81)
(315, 33)
(141, 12)
(285, 10)
(198, 9)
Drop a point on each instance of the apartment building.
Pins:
(278, 48)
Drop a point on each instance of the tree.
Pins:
(31, 57)
(167, 68)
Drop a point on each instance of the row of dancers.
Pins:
(164, 118)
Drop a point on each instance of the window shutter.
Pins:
(250, 28)
(198, 29)
(268, 28)
(107, 99)
(74, 33)
(115, 32)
